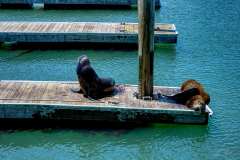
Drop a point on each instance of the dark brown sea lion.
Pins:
(91, 85)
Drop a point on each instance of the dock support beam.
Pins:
(146, 15)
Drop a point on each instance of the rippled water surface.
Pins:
(208, 50)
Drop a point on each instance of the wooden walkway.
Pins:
(86, 32)
(55, 100)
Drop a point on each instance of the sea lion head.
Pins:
(196, 102)
(82, 62)
(195, 84)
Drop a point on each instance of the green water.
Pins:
(208, 50)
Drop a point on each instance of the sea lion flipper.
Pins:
(183, 96)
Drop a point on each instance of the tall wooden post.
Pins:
(146, 15)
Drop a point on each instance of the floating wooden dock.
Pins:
(83, 32)
(48, 100)
(53, 4)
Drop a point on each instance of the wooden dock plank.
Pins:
(61, 27)
(57, 27)
(9, 27)
(23, 27)
(3, 87)
(34, 27)
(26, 29)
(10, 90)
(17, 93)
(75, 27)
(68, 27)
(25, 93)
(5, 26)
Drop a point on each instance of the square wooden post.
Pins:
(146, 15)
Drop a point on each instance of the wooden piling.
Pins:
(146, 15)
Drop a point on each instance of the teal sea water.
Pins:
(208, 50)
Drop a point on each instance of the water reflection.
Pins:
(103, 143)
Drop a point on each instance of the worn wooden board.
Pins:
(55, 100)
(87, 32)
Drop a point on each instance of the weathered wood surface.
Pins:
(55, 100)
(81, 32)
(146, 16)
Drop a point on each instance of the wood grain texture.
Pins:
(146, 15)
(61, 92)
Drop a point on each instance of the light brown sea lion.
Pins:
(192, 95)
(194, 84)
